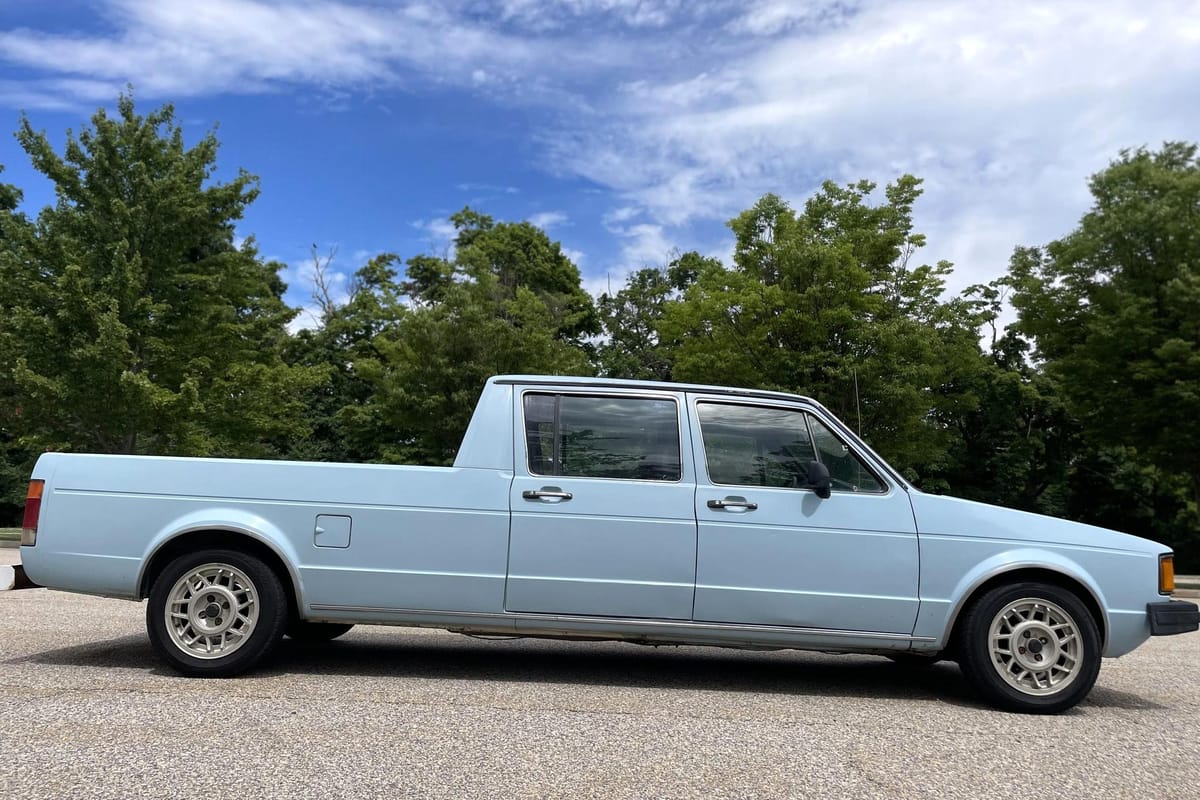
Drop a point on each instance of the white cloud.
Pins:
(547, 219)
(688, 112)
(300, 276)
(439, 233)
(1005, 109)
(767, 17)
(308, 318)
(487, 188)
(175, 48)
(553, 14)
(613, 219)
(641, 244)
(437, 228)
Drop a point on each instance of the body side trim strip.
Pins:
(650, 623)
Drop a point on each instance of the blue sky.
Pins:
(627, 128)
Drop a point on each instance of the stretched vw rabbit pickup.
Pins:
(653, 513)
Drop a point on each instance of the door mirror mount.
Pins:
(818, 479)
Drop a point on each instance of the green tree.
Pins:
(1011, 438)
(508, 301)
(1116, 487)
(16, 233)
(507, 256)
(828, 302)
(1113, 308)
(345, 335)
(140, 325)
(633, 346)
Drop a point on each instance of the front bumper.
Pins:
(1171, 617)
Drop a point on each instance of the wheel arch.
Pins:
(1019, 573)
(207, 534)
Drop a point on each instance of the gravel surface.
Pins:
(86, 710)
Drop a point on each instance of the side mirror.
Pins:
(818, 479)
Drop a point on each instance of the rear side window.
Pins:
(602, 437)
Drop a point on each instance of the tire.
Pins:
(197, 632)
(302, 630)
(1030, 647)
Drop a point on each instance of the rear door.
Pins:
(603, 521)
(770, 551)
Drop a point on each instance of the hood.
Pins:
(951, 516)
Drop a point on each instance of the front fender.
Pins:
(232, 520)
(941, 604)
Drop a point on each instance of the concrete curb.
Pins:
(12, 577)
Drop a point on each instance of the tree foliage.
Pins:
(508, 301)
(828, 302)
(345, 335)
(632, 319)
(16, 274)
(1114, 307)
(1113, 310)
(133, 322)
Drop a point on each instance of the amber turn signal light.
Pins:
(1166, 574)
(33, 509)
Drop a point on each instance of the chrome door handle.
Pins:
(538, 494)
(732, 504)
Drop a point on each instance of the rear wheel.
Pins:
(216, 613)
(1030, 647)
(304, 631)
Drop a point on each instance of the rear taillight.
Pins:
(33, 509)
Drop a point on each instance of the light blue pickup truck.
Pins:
(652, 513)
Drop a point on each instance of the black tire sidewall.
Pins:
(976, 657)
(272, 614)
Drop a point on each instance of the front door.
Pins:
(771, 552)
(602, 506)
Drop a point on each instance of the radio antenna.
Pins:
(857, 403)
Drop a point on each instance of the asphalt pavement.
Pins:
(86, 710)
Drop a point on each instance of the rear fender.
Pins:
(231, 520)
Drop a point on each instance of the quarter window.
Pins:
(845, 469)
(602, 437)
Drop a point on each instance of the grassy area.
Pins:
(10, 534)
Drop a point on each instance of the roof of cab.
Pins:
(661, 386)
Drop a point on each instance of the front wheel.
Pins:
(1030, 647)
(216, 613)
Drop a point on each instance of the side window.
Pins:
(755, 446)
(602, 437)
(846, 470)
